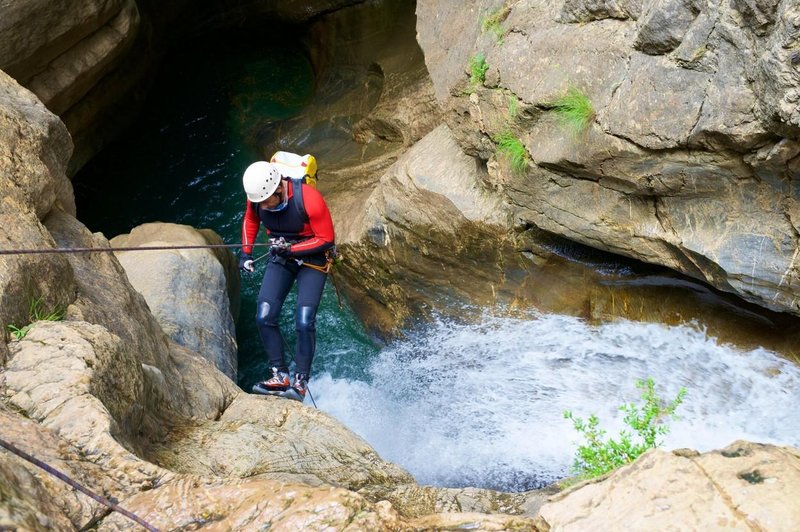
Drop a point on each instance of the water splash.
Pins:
(482, 404)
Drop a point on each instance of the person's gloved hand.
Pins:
(280, 247)
(246, 262)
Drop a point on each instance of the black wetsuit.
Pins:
(311, 232)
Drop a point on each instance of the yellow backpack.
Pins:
(296, 167)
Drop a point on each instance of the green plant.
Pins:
(512, 107)
(18, 332)
(513, 150)
(477, 69)
(574, 109)
(493, 23)
(599, 456)
(36, 312)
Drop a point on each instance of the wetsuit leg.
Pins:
(278, 279)
(310, 283)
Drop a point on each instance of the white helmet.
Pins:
(260, 181)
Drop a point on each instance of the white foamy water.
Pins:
(483, 405)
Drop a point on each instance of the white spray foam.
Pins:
(483, 404)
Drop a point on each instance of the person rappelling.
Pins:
(300, 228)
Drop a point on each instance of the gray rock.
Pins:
(577, 11)
(33, 32)
(34, 149)
(71, 75)
(279, 439)
(448, 51)
(677, 156)
(741, 487)
(758, 15)
(657, 105)
(186, 290)
(662, 25)
(729, 115)
(773, 67)
(396, 269)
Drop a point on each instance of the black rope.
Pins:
(106, 250)
(311, 396)
(58, 474)
(336, 289)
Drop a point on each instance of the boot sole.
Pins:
(292, 394)
(263, 391)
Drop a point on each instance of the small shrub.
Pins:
(493, 23)
(477, 69)
(36, 312)
(599, 456)
(574, 109)
(513, 150)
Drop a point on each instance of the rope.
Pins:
(58, 474)
(311, 396)
(336, 288)
(107, 250)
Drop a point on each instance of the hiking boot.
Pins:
(276, 385)
(297, 391)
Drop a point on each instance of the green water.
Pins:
(183, 161)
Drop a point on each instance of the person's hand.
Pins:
(246, 262)
(280, 247)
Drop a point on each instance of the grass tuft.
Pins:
(513, 150)
(493, 23)
(477, 69)
(574, 109)
(36, 312)
(512, 107)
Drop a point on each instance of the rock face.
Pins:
(188, 291)
(63, 52)
(745, 486)
(425, 227)
(690, 155)
(34, 147)
(281, 439)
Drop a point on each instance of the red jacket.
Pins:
(310, 235)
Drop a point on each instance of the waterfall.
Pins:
(482, 404)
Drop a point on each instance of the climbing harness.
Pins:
(61, 476)
(332, 257)
(324, 269)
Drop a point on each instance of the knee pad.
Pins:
(267, 315)
(306, 318)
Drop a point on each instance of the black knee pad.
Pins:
(267, 315)
(306, 318)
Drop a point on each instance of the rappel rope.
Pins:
(61, 476)
(107, 250)
(51, 251)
